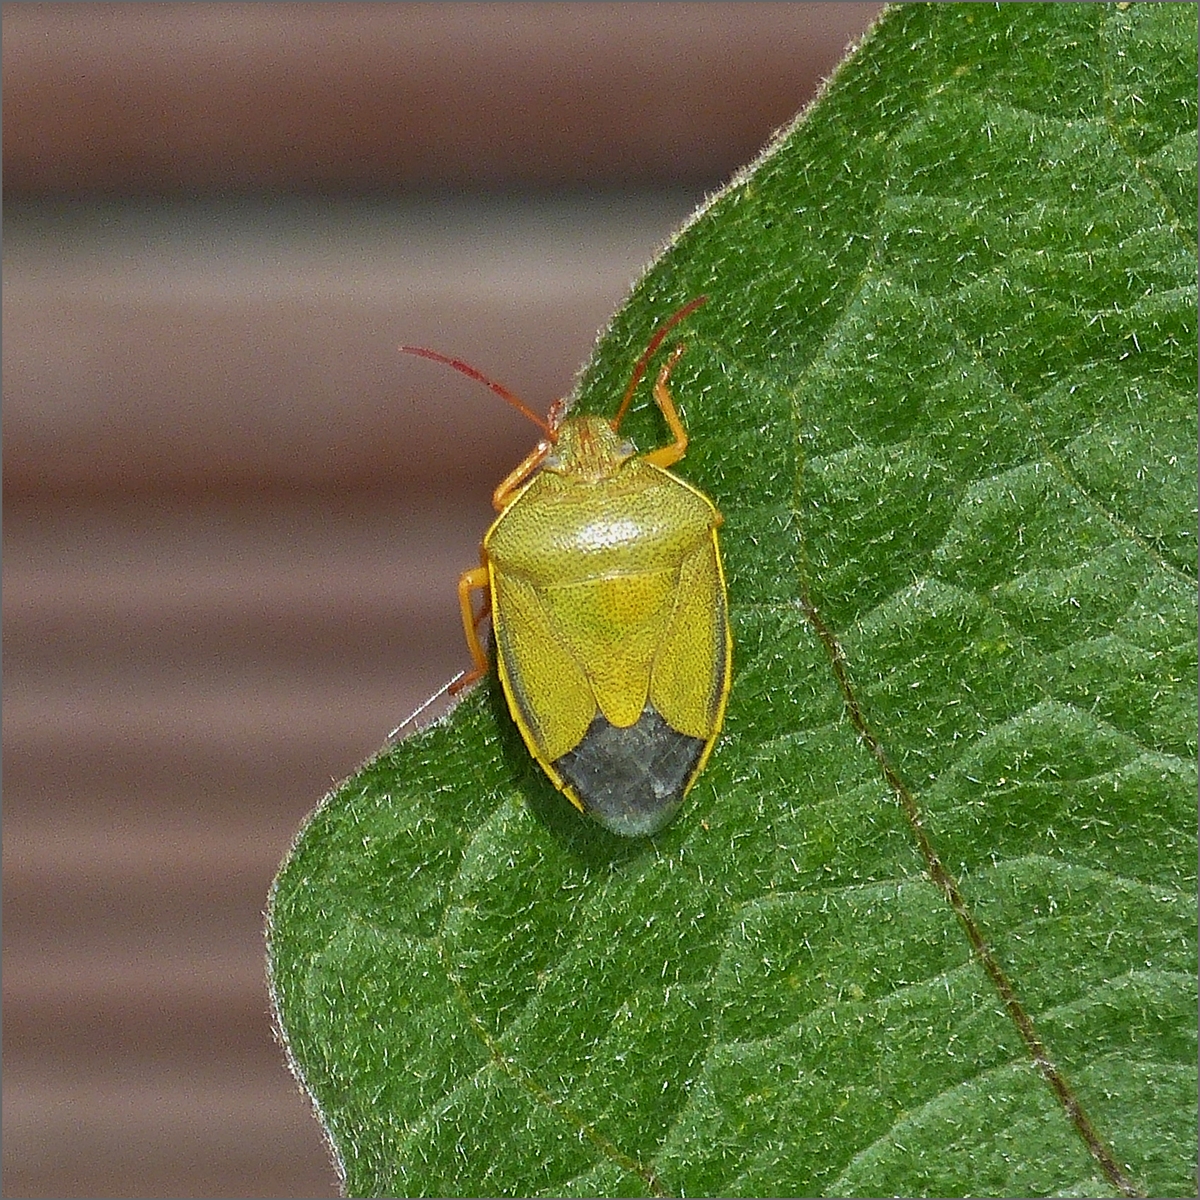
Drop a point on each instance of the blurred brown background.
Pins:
(234, 515)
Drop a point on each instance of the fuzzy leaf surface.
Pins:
(944, 394)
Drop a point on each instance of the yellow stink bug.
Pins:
(603, 578)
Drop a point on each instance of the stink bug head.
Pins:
(588, 449)
(603, 579)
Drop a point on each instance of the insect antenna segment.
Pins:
(500, 390)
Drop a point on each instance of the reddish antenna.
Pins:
(499, 389)
(656, 341)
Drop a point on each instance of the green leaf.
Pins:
(926, 925)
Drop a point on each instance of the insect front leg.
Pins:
(671, 453)
(516, 479)
(474, 580)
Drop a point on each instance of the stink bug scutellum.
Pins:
(603, 578)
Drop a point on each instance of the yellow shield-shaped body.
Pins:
(612, 634)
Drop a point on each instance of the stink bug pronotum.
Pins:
(603, 578)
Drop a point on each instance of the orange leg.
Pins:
(515, 479)
(477, 579)
(671, 453)
(474, 580)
